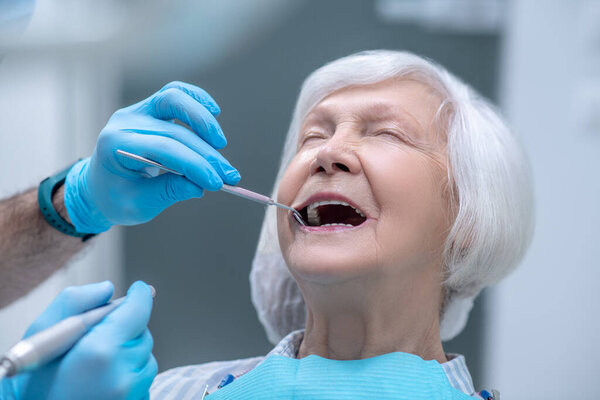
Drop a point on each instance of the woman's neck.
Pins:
(359, 319)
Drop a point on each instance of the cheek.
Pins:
(408, 187)
(295, 175)
(291, 182)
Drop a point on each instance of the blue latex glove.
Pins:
(109, 189)
(112, 361)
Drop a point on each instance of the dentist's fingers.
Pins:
(175, 156)
(171, 188)
(226, 171)
(173, 103)
(144, 380)
(199, 94)
(130, 318)
(139, 349)
(72, 300)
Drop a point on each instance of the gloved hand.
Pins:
(112, 361)
(109, 189)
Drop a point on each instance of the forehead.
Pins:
(409, 102)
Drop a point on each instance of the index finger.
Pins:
(174, 103)
(130, 318)
(199, 94)
(72, 301)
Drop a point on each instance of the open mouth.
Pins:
(332, 213)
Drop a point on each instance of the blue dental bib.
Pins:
(398, 376)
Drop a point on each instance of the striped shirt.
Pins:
(188, 383)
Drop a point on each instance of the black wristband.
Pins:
(46, 192)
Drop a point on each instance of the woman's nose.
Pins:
(337, 155)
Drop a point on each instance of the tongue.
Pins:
(338, 214)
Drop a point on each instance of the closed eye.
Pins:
(311, 136)
(396, 136)
(393, 135)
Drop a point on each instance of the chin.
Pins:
(321, 263)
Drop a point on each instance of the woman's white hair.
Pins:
(489, 185)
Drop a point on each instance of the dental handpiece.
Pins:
(235, 190)
(53, 342)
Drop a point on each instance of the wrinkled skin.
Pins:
(375, 145)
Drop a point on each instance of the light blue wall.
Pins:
(544, 318)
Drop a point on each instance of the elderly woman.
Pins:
(415, 196)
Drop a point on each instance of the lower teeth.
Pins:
(336, 224)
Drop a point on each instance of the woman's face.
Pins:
(369, 177)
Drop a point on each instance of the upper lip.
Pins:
(321, 196)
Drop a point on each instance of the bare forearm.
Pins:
(30, 249)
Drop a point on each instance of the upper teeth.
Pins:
(313, 213)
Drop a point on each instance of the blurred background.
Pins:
(531, 337)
